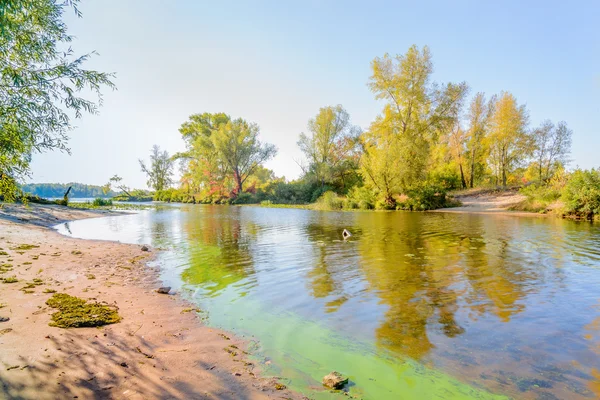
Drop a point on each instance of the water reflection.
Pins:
(219, 249)
(508, 304)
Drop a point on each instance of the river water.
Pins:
(413, 305)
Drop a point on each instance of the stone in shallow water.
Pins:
(164, 290)
(145, 248)
(334, 380)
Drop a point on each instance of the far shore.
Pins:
(160, 349)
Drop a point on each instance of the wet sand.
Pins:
(160, 349)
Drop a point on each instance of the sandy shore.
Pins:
(160, 349)
(489, 202)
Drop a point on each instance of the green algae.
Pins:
(74, 312)
(304, 351)
(25, 247)
(10, 279)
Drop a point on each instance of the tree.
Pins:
(39, 85)
(237, 144)
(221, 150)
(379, 162)
(115, 181)
(331, 146)
(160, 171)
(417, 111)
(552, 146)
(508, 140)
(479, 116)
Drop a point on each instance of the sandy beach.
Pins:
(489, 202)
(160, 349)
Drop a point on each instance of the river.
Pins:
(412, 305)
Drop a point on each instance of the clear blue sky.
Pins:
(277, 62)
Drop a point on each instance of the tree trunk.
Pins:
(462, 177)
(472, 170)
(238, 182)
(503, 176)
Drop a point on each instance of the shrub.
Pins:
(244, 198)
(361, 198)
(445, 177)
(424, 196)
(329, 201)
(581, 194)
(100, 202)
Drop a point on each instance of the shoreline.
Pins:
(160, 349)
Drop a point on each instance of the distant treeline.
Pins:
(59, 189)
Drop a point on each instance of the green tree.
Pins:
(331, 146)
(236, 144)
(116, 182)
(160, 170)
(40, 85)
(509, 143)
(552, 146)
(479, 115)
(415, 114)
(221, 150)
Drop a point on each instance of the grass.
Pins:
(74, 312)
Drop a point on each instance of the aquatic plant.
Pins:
(74, 312)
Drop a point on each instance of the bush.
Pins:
(100, 202)
(244, 198)
(361, 198)
(581, 194)
(329, 201)
(445, 178)
(424, 196)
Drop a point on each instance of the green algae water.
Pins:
(412, 306)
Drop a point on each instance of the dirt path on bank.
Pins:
(160, 349)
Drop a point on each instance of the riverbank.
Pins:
(497, 202)
(160, 349)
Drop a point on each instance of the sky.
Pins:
(277, 62)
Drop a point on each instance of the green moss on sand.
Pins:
(74, 312)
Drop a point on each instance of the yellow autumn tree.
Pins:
(508, 141)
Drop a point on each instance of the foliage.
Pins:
(581, 194)
(221, 154)
(329, 201)
(445, 177)
(172, 195)
(361, 198)
(160, 171)
(424, 196)
(40, 85)
(74, 312)
(100, 202)
(552, 145)
(330, 148)
(398, 144)
(479, 115)
(134, 195)
(116, 181)
(508, 141)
